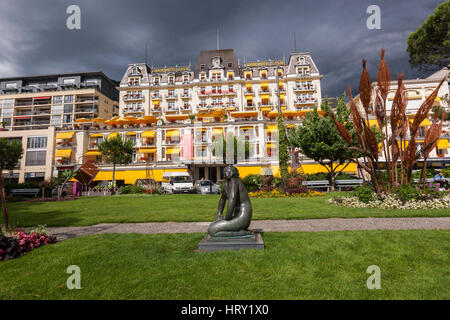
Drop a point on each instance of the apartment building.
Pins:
(35, 109)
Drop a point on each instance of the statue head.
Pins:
(230, 172)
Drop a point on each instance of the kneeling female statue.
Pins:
(239, 209)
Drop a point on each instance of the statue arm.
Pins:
(232, 199)
(223, 199)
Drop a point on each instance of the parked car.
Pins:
(67, 191)
(177, 182)
(206, 187)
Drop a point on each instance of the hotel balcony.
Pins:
(308, 101)
(134, 83)
(133, 97)
(301, 88)
(304, 74)
(170, 96)
(185, 108)
(250, 92)
(186, 95)
(172, 109)
(133, 110)
(264, 91)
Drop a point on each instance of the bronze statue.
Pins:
(239, 209)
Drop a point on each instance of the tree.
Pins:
(116, 151)
(66, 176)
(319, 139)
(429, 45)
(10, 153)
(221, 143)
(283, 152)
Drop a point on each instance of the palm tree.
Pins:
(116, 151)
(66, 175)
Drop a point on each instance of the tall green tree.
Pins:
(10, 153)
(283, 152)
(116, 151)
(240, 145)
(319, 139)
(429, 45)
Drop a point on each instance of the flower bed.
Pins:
(392, 202)
(18, 242)
(277, 193)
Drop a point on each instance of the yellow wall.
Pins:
(307, 168)
(130, 176)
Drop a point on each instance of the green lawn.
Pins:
(144, 208)
(326, 265)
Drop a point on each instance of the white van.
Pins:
(177, 182)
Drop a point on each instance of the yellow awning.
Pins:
(265, 96)
(131, 133)
(247, 114)
(291, 126)
(98, 120)
(112, 135)
(266, 109)
(172, 133)
(264, 84)
(63, 153)
(271, 145)
(147, 150)
(177, 117)
(373, 123)
(148, 134)
(272, 128)
(281, 96)
(93, 153)
(248, 97)
(217, 131)
(246, 128)
(155, 102)
(65, 135)
(443, 144)
(83, 120)
(248, 85)
(424, 123)
(173, 151)
(96, 135)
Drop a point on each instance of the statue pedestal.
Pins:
(254, 241)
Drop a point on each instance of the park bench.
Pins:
(429, 181)
(24, 192)
(348, 183)
(317, 184)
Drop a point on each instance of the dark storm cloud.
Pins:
(34, 38)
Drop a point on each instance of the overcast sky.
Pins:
(34, 38)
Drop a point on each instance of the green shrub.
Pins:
(364, 194)
(252, 182)
(407, 193)
(446, 172)
(126, 190)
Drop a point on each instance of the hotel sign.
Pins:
(171, 69)
(268, 63)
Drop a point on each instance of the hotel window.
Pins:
(230, 64)
(156, 81)
(56, 120)
(57, 99)
(171, 92)
(37, 143)
(67, 118)
(202, 67)
(171, 80)
(185, 92)
(156, 94)
(12, 85)
(202, 103)
(230, 75)
(185, 78)
(231, 101)
(202, 76)
(68, 99)
(69, 81)
(216, 76)
(230, 88)
(171, 105)
(135, 81)
(202, 90)
(280, 72)
(248, 74)
(36, 158)
(68, 108)
(263, 74)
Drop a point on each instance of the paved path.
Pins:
(313, 225)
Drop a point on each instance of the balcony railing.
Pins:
(304, 88)
(133, 110)
(186, 95)
(304, 74)
(305, 101)
(129, 97)
(171, 96)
